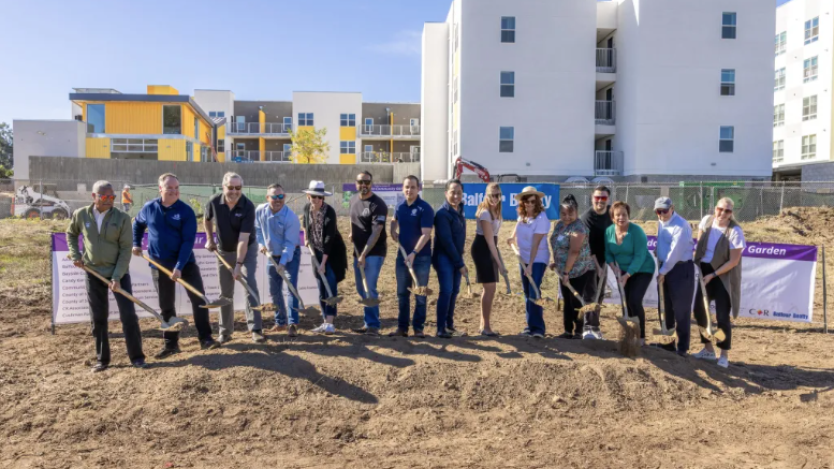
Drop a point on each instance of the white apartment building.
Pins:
(802, 85)
(642, 90)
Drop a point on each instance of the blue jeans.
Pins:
(373, 264)
(535, 313)
(276, 288)
(449, 279)
(422, 267)
(327, 310)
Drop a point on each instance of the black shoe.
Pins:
(443, 335)
(399, 333)
(419, 334)
(372, 331)
(292, 331)
(565, 335)
(139, 363)
(670, 347)
(98, 367)
(209, 344)
(360, 330)
(166, 352)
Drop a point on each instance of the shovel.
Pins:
(209, 304)
(626, 319)
(242, 280)
(330, 300)
(174, 324)
(468, 286)
(416, 288)
(539, 300)
(590, 307)
(369, 302)
(707, 332)
(302, 309)
(504, 272)
(663, 331)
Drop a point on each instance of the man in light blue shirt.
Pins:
(278, 233)
(676, 271)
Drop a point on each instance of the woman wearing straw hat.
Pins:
(530, 235)
(322, 235)
(718, 255)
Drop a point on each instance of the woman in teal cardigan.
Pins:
(627, 252)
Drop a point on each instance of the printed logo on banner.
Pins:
(474, 194)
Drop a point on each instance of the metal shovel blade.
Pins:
(421, 291)
(333, 300)
(174, 325)
(218, 303)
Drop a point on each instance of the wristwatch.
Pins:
(240, 263)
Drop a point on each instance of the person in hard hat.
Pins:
(127, 199)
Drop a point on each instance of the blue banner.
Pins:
(473, 195)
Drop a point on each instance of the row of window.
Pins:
(506, 139)
(809, 148)
(308, 119)
(809, 111)
(810, 72)
(812, 34)
(171, 120)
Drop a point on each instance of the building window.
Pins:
(212, 114)
(172, 120)
(728, 82)
(455, 143)
(287, 124)
(508, 29)
(506, 136)
(369, 124)
(780, 43)
(347, 148)
(507, 84)
(812, 30)
(809, 108)
(204, 153)
(221, 145)
(779, 115)
(810, 69)
(305, 119)
(728, 26)
(217, 114)
(779, 79)
(189, 151)
(809, 147)
(135, 145)
(725, 139)
(778, 151)
(347, 120)
(95, 118)
(456, 37)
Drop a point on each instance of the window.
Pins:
(212, 114)
(728, 26)
(217, 114)
(779, 79)
(780, 43)
(305, 119)
(809, 108)
(779, 115)
(347, 148)
(456, 37)
(507, 84)
(347, 120)
(725, 140)
(728, 82)
(810, 69)
(204, 153)
(505, 139)
(197, 128)
(287, 125)
(134, 145)
(171, 120)
(369, 124)
(778, 151)
(455, 143)
(809, 147)
(812, 30)
(221, 145)
(287, 151)
(189, 151)
(508, 29)
(240, 123)
(95, 118)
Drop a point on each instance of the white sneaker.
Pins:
(588, 334)
(321, 329)
(705, 354)
(329, 329)
(724, 362)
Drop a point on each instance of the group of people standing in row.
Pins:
(581, 247)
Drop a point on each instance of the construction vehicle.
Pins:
(480, 170)
(29, 203)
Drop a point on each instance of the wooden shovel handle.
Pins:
(290, 287)
(408, 264)
(179, 280)
(316, 266)
(126, 295)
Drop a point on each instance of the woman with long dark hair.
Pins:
(447, 256)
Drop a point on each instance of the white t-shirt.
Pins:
(486, 216)
(99, 216)
(524, 232)
(735, 236)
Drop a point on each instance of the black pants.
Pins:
(634, 291)
(100, 311)
(584, 285)
(678, 292)
(723, 307)
(167, 288)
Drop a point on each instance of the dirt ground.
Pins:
(356, 401)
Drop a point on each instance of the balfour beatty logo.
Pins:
(777, 314)
(473, 200)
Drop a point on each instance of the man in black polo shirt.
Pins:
(234, 216)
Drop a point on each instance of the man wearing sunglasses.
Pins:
(676, 272)
(597, 219)
(368, 213)
(234, 215)
(107, 242)
(278, 233)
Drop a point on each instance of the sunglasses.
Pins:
(276, 197)
(316, 197)
(234, 188)
(723, 210)
(661, 212)
(106, 197)
(366, 182)
(598, 198)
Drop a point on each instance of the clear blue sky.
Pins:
(260, 49)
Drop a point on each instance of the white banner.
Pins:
(777, 282)
(69, 294)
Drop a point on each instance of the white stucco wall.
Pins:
(327, 107)
(434, 112)
(46, 138)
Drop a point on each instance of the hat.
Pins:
(317, 188)
(663, 203)
(529, 190)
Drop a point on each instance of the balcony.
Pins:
(606, 60)
(278, 157)
(387, 157)
(608, 163)
(396, 132)
(244, 156)
(604, 113)
(254, 128)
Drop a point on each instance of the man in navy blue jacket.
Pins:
(172, 230)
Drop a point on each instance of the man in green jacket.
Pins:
(108, 239)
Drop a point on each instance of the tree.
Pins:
(6, 144)
(309, 146)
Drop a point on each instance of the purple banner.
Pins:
(793, 252)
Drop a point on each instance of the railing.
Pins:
(245, 156)
(275, 128)
(387, 157)
(278, 157)
(389, 130)
(604, 113)
(606, 60)
(608, 163)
